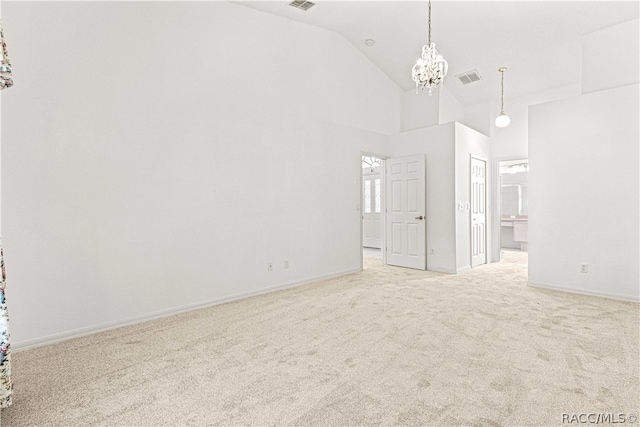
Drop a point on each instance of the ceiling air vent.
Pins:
(469, 77)
(302, 4)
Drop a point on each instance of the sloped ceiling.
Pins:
(540, 42)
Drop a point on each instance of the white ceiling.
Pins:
(538, 41)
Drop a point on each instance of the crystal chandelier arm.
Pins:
(443, 65)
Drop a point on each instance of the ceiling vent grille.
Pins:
(469, 77)
(302, 4)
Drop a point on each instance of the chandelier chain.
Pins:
(429, 21)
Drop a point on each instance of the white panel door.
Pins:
(478, 212)
(406, 207)
(372, 208)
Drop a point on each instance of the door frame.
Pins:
(383, 184)
(497, 205)
(486, 209)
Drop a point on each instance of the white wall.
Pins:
(512, 142)
(584, 193)
(478, 117)
(610, 57)
(592, 141)
(420, 109)
(447, 148)
(156, 155)
(450, 109)
(469, 142)
(437, 143)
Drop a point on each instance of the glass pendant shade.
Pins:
(502, 121)
(6, 78)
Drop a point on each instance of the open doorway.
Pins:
(372, 211)
(514, 206)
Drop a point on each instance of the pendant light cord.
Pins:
(502, 70)
(502, 92)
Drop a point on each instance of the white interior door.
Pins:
(478, 212)
(406, 207)
(372, 208)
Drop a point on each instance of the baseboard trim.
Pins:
(90, 330)
(442, 270)
(626, 298)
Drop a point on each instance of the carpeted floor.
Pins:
(387, 346)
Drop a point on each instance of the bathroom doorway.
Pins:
(514, 205)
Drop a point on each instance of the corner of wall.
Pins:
(450, 109)
(468, 143)
(420, 110)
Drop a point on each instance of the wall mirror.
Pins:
(514, 188)
(514, 204)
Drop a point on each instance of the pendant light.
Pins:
(502, 120)
(431, 67)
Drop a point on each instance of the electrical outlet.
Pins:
(584, 268)
(269, 266)
(433, 251)
(286, 263)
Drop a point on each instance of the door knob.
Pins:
(420, 217)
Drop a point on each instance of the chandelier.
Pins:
(502, 120)
(431, 67)
(6, 79)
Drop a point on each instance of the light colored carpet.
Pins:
(387, 346)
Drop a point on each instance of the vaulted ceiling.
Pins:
(540, 42)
